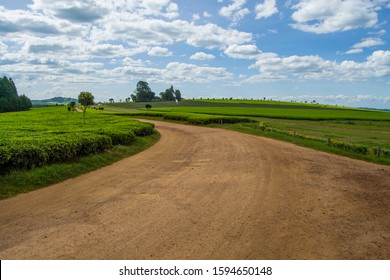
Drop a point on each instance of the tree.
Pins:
(148, 107)
(178, 95)
(71, 106)
(168, 94)
(111, 100)
(143, 93)
(9, 99)
(85, 99)
(171, 95)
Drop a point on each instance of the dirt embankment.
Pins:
(203, 193)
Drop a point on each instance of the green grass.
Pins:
(321, 146)
(370, 133)
(21, 181)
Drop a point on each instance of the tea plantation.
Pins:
(47, 135)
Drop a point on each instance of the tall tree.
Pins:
(86, 100)
(178, 95)
(143, 93)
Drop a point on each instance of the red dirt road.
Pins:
(203, 193)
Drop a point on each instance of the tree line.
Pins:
(10, 101)
(143, 93)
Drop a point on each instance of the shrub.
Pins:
(27, 156)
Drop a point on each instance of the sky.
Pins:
(330, 51)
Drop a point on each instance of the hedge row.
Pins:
(195, 119)
(38, 152)
(29, 152)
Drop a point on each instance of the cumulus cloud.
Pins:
(242, 51)
(234, 11)
(13, 21)
(195, 17)
(3, 47)
(273, 67)
(158, 51)
(92, 10)
(326, 16)
(266, 9)
(212, 36)
(79, 11)
(202, 56)
(183, 72)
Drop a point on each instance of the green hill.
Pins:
(53, 101)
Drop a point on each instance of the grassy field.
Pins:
(46, 145)
(351, 132)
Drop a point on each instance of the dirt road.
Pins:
(203, 193)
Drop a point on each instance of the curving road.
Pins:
(203, 193)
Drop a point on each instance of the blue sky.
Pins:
(331, 51)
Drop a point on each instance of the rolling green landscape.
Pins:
(52, 142)
(353, 132)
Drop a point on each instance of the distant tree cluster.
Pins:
(10, 101)
(143, 93)
(171, 95)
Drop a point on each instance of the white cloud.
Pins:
(242, 51)
(273, 67)
(354, 51)
(74, 11)
(379, 33)
(234, 11)
(326, 16)
(92, 10)
(195, 17)
(368, 42)
(3, 47)
(266, 9)
(212, 36)
(183, 72)
(365, 43)
(158, 51)
(206, 15)
(14, 21)
(202, 56)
